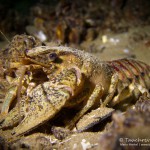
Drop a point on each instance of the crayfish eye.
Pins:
(52, 56)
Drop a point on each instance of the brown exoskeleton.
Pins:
(78, 78)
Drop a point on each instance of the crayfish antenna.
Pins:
(4, 36)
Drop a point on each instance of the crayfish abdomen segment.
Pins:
(132, 70)
(132, 80)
